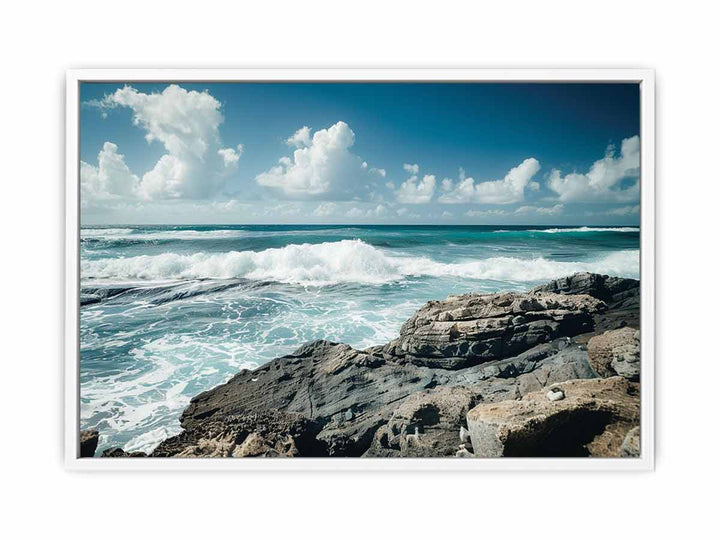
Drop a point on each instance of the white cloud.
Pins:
(380, 172)
(510, 189)
(485, 213)
(186, 123)
(624, 210)
(231, 156)
(110, 180)
(325, 209)
(603, 182)
(406, 213)
(355, 213)
(300, 139)
(412, 169)
(320, 167)
(544, 210)
(413, 192)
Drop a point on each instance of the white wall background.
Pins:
(39, 42)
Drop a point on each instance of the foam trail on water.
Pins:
(346, 261)
(586, 229)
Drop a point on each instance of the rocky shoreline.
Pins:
(549, 373)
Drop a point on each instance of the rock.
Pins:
(426, 424)
(410, 397)
(616, 352)
(463, 453)
(621, 295)
(120, 453)
(592, 420)
(322, 381)
(325, 381)
(471, 329)
(606, 288)
(555, 394)
(88, 442)
(631, 444)
(464, 435)
(268, 434)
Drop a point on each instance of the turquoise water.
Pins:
(170, 311)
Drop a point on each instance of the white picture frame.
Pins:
(644, 77)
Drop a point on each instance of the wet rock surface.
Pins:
(413, 396)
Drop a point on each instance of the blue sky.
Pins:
(360, 153)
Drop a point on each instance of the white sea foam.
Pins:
(100, 233)
(117, 234)
(586, 229)
(346, 261)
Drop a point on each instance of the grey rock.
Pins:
(266, 434)
(609, 289)
(432, 418)
(471, 329)
(616, 352)
(120, 453)
(631, 444)
(88, 442)
(412, 396)
(622, 296)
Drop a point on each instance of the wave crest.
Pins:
(346, 261)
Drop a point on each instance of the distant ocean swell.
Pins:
(346, 261)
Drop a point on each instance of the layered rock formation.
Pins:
(454, 360)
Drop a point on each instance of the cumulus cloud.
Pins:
(186, 124)
(325, 209)
(604, 181)
(511, 189)
(300, 139)
(110, 180)
(414, 191)
(412, 169)
(231, 156)
(321, 166)
(543, 210)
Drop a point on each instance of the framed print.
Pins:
(360, 269)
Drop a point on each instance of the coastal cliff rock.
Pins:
(120, 453)
(621, 295)
(426, 424)
(462, 331)
(88, 442)
(616, 352)
(592, 419)
(414, 396)
(268, 434)
(631, 444)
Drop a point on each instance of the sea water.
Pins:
(170, 311)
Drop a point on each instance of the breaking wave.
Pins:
(346, 261)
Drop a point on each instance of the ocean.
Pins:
(170, 311)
